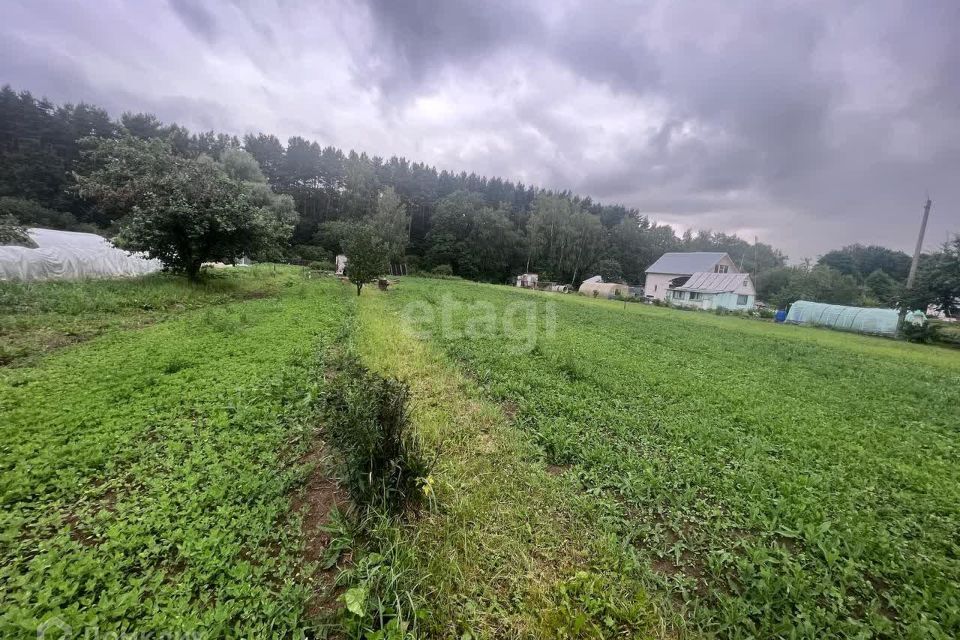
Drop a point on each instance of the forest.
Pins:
(476, 227)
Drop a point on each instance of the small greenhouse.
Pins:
(604, 289)
(70, 255)
(881, 322)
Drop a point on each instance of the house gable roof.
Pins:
(709, 282)
(686, 263)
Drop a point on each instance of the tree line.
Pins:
(468, 225)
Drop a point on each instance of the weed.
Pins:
(367, 422)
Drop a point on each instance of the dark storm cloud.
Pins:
(420, 37)
(810, 124)
(195, 16)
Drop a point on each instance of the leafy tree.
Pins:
(366, 255)
(564, 240)
(860, 261)
(392, 223)
(182, 211)
(819, 284)
(753, 258)
(609, 270)
(884, 289)
(938, 280)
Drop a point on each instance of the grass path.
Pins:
(514, 549)
(145, 475)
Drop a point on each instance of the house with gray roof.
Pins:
(701, 279)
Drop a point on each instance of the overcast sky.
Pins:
(809, 124)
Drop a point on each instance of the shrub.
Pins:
(12, 233)
(33, 214)
(443, 270)
(925, 333)
(321, 265)
(307, 253)
(367, 423)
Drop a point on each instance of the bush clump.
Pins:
(367, 423)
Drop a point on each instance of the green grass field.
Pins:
(602, 470)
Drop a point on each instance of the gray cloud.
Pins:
(196, 17)
(811, 125)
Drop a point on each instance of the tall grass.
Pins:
(368, 423)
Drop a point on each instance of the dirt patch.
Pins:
(314, 501)
(558, 469)
(789, 544)
(510, 409)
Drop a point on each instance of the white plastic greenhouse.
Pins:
(858, 319)
(69, 255)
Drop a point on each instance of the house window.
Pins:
(721, 268)
(678, 295)
(742, 300)
(694, 295)
(654, 287)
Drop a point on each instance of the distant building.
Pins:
(527, 280)
(701, 279)
(341, 264)
(671, 267)
(708, 290)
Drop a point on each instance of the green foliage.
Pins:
(860, 262)
(367, 423)
(153, 494)
(37, 317)
(392, 223)
(476, 240)
(780, 287)
(609, 270)
(564, 239)
(883, 288)
(925, 333)
(32, 214)
(366, 255)
(590, 606)
(13, 233)
(183, 211)
(779, 470)
(442, 270)
(938, 280)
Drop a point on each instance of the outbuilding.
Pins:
(710, 290)
(604, 289)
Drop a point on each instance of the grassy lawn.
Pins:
(601, 470)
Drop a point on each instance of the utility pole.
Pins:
(916, 253)
(756, 256)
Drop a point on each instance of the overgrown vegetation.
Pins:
(645, 479)
(778, 482)
(38, 317)
(367, 422)
(145, 476)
